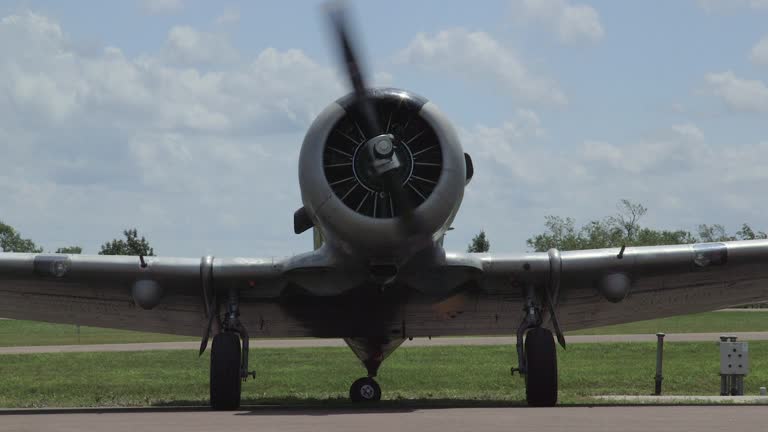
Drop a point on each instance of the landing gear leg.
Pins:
(229, 363)
(537, 356)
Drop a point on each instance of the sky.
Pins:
(185, 118)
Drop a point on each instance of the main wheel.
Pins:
(225, 371)
(541, 357)
(365, 390)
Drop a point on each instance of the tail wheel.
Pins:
(541, 360)
(365, 390)
(225, 372)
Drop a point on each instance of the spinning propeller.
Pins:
(379, 146)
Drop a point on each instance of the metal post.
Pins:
(78, 333)
(659, 360)
(725, 385)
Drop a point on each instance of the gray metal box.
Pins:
(734, 358)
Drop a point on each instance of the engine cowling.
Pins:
(348, 203)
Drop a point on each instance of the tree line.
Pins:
(621, 229)
(132, 244)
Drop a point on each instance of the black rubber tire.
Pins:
(225, 378)
(365, 390)
(541, 380)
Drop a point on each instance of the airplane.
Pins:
(382, 176)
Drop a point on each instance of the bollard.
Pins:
(659, 359)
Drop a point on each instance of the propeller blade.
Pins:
(352, 65)
(392, 184)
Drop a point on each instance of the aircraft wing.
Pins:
(99, 290)
(609, 286)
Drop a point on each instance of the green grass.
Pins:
(458, 375)
(20, 333)
(708, 322)
(25, 333)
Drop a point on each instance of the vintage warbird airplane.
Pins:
(382, 176)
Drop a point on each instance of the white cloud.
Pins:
(187, 46)
(105, 141)
(759, 54)
(689, 131)
(739, 94)
(521, 177)
(157, 7)
(515, 149)
(228, 17)
(477, 56)
(681, 149)
(573, 23)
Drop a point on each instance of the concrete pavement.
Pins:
(442, 341)
(371, 419)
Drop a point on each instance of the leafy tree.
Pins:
(713, 233)
(624, 229)
(651, 237)
(747, 233)
(70, 250)
(628, 217)
(479, 243)
(11, 241)
(132, 245)
(561, 233)
(717, 233)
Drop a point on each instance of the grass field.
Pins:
(476, 375)
(25, 333)
(20, 333)
(708, 322)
